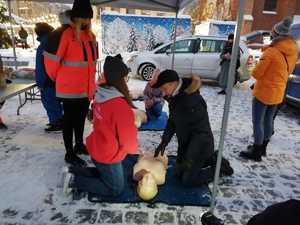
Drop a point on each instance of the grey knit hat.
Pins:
(283, 27)
(65, 17)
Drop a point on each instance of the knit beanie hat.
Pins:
(164, 77)
(114, 69)
(282, 28)
(82, 9)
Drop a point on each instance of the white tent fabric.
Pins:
(156, 5)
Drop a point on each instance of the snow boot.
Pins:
(264, 150)
(74, 160)
(254, 153)
(209, 219)
(80, 149)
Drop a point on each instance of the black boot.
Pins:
(223, 92)
(254, 153)
(210, 219)
(264, 150)
(80, 149)
(74, 160)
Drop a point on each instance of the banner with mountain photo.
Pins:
(128, 33)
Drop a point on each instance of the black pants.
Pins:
(75, 111)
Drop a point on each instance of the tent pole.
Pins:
(174, 38)
(12, 34)
(230, 82)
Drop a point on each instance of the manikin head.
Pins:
(147, 187)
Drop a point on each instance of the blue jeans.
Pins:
(262, 119)
(104, 179)
(154, 112)
(51, 104)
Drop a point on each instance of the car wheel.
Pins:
(147, 72)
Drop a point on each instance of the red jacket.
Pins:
(71, 63)
(114, 134)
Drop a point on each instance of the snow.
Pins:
(31, 163)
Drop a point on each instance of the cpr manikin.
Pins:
(150, 172)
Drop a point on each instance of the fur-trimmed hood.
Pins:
(194, 85)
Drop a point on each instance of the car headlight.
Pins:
(132, 58)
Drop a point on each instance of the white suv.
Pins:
(197, 55)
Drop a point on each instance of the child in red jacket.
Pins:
(114, 135)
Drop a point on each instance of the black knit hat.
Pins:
(164, 77)
(82, 9)
(114, 69)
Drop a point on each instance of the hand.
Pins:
(160, 150)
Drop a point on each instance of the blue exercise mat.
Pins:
(157, 125)
(171, 193)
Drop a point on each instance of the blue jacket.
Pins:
(42, 79)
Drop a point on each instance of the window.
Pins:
(184, 46)
(211, 46)
(270, 5)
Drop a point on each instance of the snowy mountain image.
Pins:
(127, 33)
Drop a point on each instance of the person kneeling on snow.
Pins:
(114, 135)
(153, 99)
(188, 118)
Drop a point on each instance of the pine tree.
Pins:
(5, 40)
(132, 45)
(151, 42)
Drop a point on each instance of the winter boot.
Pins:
(226, 169)
(223, 92)
(74, 160)
(264, 150)
(53, 128)
(80, 149)
(209, 219)
(254, 153)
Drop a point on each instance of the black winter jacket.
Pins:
(188, 118)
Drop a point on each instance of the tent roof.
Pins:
(156, 5)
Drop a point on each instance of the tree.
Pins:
(151, 42)
(5, 40)
(132, 45)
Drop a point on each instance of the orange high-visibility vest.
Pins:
(71, 63)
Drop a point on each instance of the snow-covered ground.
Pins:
(31, 162)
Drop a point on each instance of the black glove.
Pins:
(160, 149)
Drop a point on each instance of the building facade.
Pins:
(268, 12)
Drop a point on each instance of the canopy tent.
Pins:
(175, 6)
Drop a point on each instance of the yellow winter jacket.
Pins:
(272, 71)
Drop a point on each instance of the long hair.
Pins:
(122, 87)
(77, 23)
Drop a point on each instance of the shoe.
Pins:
(223, 92)
(68, 184)
(254, 153)
(209, 219)
(3, 126)
(264, 149)
(226, 169)
(74, 160)
(80, 149)
(53, 128)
